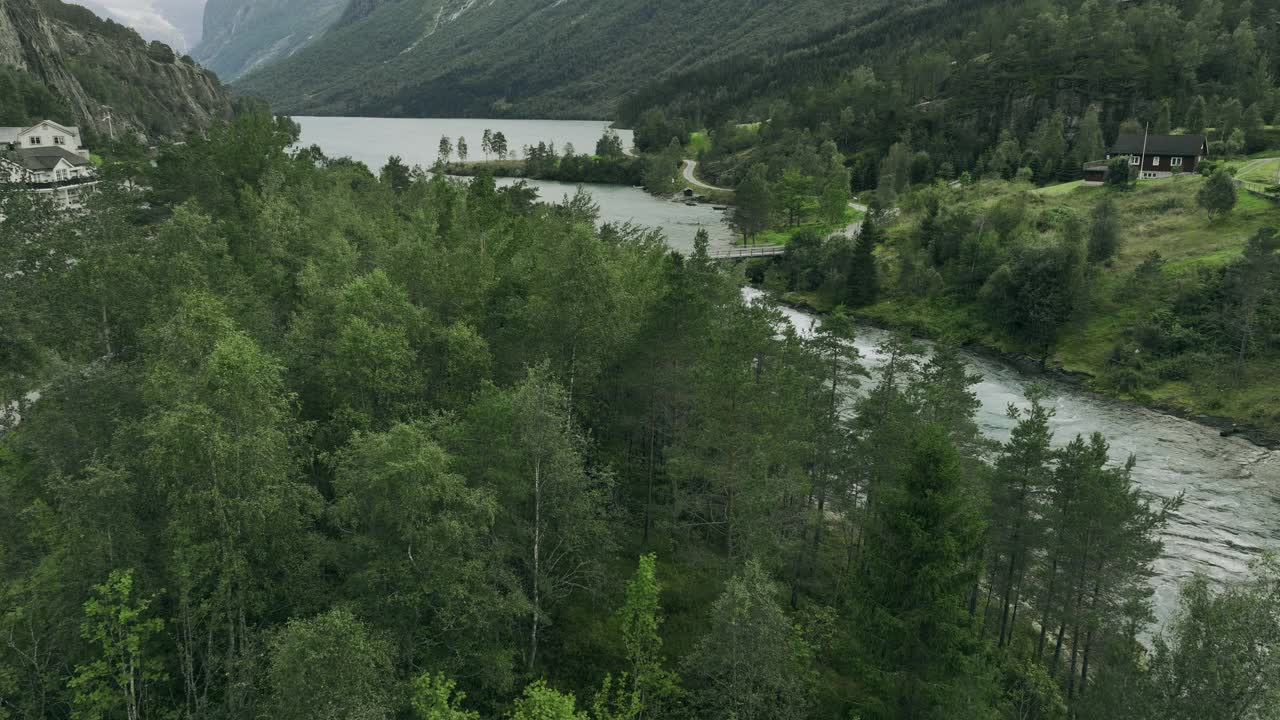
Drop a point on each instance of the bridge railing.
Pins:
(748, 252)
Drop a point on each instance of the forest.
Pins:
(985, 88)
(292, 439)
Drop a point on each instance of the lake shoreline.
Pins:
(1077, 380)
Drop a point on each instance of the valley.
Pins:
(622, 360)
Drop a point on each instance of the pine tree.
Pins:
(1019, 490)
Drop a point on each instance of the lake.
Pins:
(372, 140)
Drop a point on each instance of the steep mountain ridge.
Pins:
(531, 58)
(91, 65)
(242, 35)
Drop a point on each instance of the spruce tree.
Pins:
(916, 645)
(862, 278)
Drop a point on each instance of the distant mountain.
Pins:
(531, 58)
(242, 35)
(62, 58)
(176, 23)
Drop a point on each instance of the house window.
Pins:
(59, 140)
(1175, 161)
(1155, 161)
(33, 140)
(1134, 160)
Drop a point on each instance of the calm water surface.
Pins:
(373, 140)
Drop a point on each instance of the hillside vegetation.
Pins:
(936, 89)
(1138, 288)
(522, 58)
(63, 62)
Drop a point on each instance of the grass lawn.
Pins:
(1160, 215)
(1259, 170)
(1062, 189)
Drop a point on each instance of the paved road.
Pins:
(855, 228)
(692, 165)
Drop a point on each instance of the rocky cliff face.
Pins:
(101, 68)
(243, 35)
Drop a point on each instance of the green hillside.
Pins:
(527, 58)
(1138, 289)
(992, 87)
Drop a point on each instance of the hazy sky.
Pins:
(176, 22)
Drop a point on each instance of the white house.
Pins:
(47, 158)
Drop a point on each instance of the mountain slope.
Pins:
(176, 23)
(241, 35)
(988, 86)
(87, 64)
(532, 58)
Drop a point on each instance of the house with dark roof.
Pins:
(1153, 156)
(47, 158)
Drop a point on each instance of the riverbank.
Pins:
(1079, 380)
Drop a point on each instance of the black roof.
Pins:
(1184, 145)
(45, 158)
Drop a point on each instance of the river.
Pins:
(1231, 511)
(1232, 507)
(417, 142)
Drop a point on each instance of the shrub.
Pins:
(1119, 173)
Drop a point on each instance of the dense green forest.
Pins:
(300, 441)
(988, 87)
